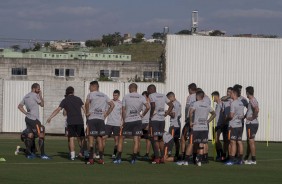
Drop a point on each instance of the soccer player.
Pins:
(24, 137)
(157, 124)
(191, 99)
(251, 125)
(73, 107)
(235, 128)
(114, 121)
(97, 106)
(145, 128)
(32, 101)
(199, 123)
(168, 145)
(175, 124)
(132, 104)
(219, 125)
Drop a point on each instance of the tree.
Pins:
(46, 44)
(217, 33)
(158, 35)
(138, 38)
(24, 50)
(93, 43)
(37, 46)
(184, 32)
(15, 47)
(112, 39)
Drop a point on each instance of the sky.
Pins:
(90, 19)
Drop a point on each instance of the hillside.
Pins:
(139, 52)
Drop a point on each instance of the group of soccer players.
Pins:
(143, 115)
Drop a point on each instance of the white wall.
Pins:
(215, 63)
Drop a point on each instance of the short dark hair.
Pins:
(229, 88)
(94, 83)
(169, 94)
(152, 86)
(237, 91)
(215, 93)
(145, 93)
(133, 85)
(116, 91)
(250, 90)
(192, 86)
(35, 85)
(200, 94)
(69, 91)
(239, 87)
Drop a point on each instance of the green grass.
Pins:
(18, 169)
(139, 52)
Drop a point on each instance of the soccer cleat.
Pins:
(90, 162)
(17, 150)
(117, 161)
(199, 164)
(250, 162)
(101, 161)
(113, 156)
(72, 159)
(97, 156)
(182, 162)
(45, 157)
(240, 162)
(31, 156)
(229, 163)
(133, 161)
(146, 157)
(156, 161)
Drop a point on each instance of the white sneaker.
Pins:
(250, 162)
(113, 156)
(17, 150)
(182, 163)
(199, 164)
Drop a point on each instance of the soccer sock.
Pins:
(91, 153)
(221, 152)
(115, 150)
(162, 153)
(118, 155)
(41, 146)
(22, 150)
(246, 157)
(138, 154)
(134, 156)
(254, 158)
(183, 155)
(200, 157)
(28, 144)
(72, 153)
(240, 157)
(101, 154)
(205, 157)
(231, 158)
(218, 152)
(156, 151)
(33, 148)
(187, 158)
(177, 147)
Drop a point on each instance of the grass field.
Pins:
(18, 169)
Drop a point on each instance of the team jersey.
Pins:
(146, 118)
(237, 107)
(133, 103)
(201, 114)
(207, 100)
(244, 101)
(160, 100)
(175, 121)
(98, 105)
(115, 117)
(191, 99)
(219, 114)
(31, 102)
(226, 106)
(167, 137)
(253, 103)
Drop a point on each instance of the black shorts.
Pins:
(185, 128)
(168, 148)
(145, 131)
(75, 130)
(174, 131)
(34, 127)
(145, 126)
(157, 128)
(235, 134)
(96, 127)
(132, 128)
(112, 130)
(199, 136)
(251, 130)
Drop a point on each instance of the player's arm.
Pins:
(153, 106)
(110, 109)
(170, 107)
(54, 113)
(64, 112)
(21, 108)
(83, 110)
(255, 113)
(41, 103)
(213, 115)
(123, 114)
(87, 102)
(191, 112)
(146, 110)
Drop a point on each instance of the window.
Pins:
(19, 71)
(96, 55)
(115, 73)
(157, 75)
(104, 73)
(60, 72)
(69, 72)
(148, 75)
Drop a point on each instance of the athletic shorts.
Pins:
(112, 130)
(251, 130)
(34, 127)
(174, 131)
(185, 128)
(145, 132)
(222, 129)
(75, 130)
(157, 128)
(96, 127)
(168, 148)
(144, 125)
(132, 128)
(199, 137)
(235, 134)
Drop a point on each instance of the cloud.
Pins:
(250, 13)
(80, 11)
